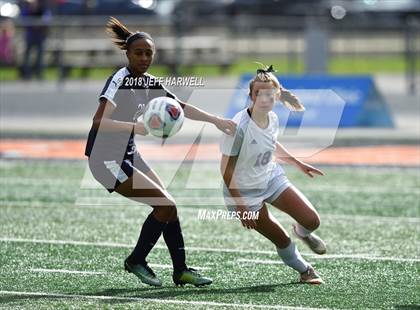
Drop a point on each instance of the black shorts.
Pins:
(111, 172)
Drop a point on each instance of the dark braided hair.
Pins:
(121, 36)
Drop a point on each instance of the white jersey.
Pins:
(254, 147)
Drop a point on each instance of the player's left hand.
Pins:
(226, 125)
(309, 170)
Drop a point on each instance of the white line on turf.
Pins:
(260, 261)
(312, 188)
(39, 182)
(153, 300)
(68, 242)
(190, 210)
(370, 218)
(171, 267)
(361, 189)
(220, 250)
(66, 271)
(102, 272)
(334, 256)
(37, 204)
(362, 257)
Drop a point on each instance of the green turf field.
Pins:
(62, 246)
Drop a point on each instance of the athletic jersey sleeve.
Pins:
(163, 91)
(112, 85)
(169, 93)
(173, 96)
(231, 145)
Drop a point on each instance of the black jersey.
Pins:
(130, 96)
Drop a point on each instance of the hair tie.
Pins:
(270, 69)
(137, 35)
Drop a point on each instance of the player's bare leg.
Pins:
(154, 177)
(142, 188)
(270, 228)
(294, 203)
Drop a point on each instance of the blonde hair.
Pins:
(265, 75)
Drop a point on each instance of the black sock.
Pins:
(149, 235)
(175, 242)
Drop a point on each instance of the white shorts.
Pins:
(255, 198)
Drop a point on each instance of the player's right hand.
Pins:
(140, 129)
(226, 125)
(244, 213)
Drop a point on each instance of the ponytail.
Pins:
(119, 32)
(288, 99)
(121, 36)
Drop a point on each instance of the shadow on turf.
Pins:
(157, 293)
(17, 298)
(172, 291)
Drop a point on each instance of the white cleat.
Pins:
(310, 276)
(315, 243)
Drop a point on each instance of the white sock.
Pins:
(292, 258)
(302, 231)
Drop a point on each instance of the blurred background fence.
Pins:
(226, 36)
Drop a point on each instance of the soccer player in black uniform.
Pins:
(117, 164)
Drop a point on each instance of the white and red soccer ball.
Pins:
(163, 117)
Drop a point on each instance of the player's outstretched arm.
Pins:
(286, 156)
(102, 119)
(225, 125)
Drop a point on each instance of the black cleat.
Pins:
(143, 272)
(190, 276)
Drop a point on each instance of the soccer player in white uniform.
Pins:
(253, 179)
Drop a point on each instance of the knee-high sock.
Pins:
(175, 242)
(149, 235)
(292, 258)
(302, 231)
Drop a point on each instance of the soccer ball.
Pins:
(163, 117)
